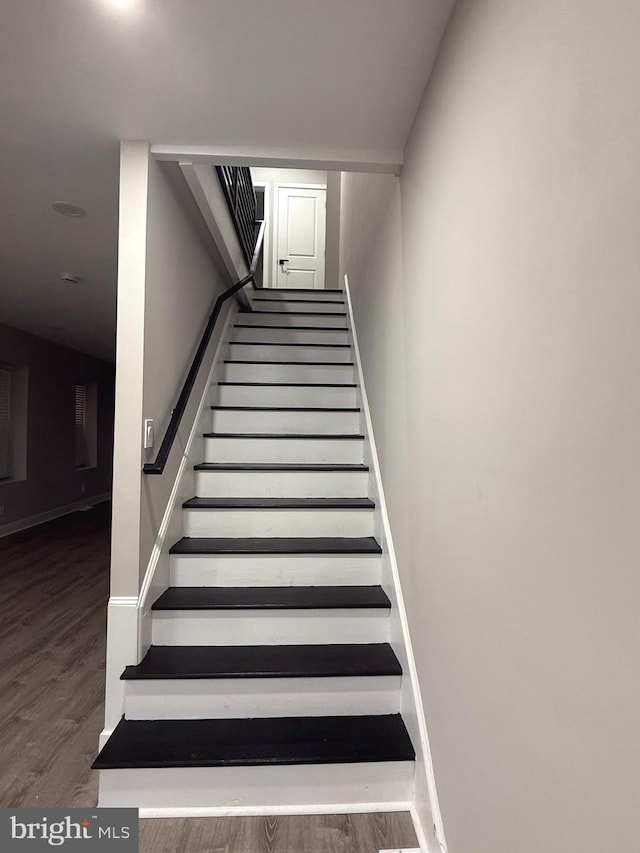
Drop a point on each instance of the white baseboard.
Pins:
(105, 734)
(260, 811)
(51, 514)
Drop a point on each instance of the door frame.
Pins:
(275, 220)
(265, 186)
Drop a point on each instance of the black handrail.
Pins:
(157, 467)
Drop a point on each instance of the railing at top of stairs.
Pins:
(241, 200)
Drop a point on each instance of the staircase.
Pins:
(270, 682)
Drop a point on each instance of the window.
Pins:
(5, 423)
(85, 455)
(14, 384)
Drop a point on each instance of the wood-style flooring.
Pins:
(356, 833)
(54, 586)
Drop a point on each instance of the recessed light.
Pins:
(120, 4)
(67, 209)
(70, 277)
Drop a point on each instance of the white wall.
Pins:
(288, 176)
(182, 283)
(167, 284)
(332, 279)
(371, 255)
(515, 330)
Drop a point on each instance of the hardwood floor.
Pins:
(54, 586)
(53, 596)
(357, 833)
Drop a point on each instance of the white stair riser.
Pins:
(332, 450)
(282, 484)
(292, 336)
(291, 307)
(275, 570)
(278, 522)
(311, 293)
(287, 423)
(271, 318)
(273, 352)
(288, 373)
(241, 788)
(268, 628)
(219, 698)
(298, 396)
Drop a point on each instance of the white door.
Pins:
(299, 260)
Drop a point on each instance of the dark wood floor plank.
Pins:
(54, 583)
(353, 833)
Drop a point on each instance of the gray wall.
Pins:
(182, 284)
(332, 240)
(168, 281)
(503, 352)
(52, 481)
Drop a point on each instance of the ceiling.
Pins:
(76, 76)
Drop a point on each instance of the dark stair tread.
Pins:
(279, 409)
(300, 313)
(271, 741)
(276, 545)
(294, 384)
(278, 466)
(300, 301)
(291, 363)
(293, 328)
(332, 436)
(289, 661)
(288, 344)
(297, 289)
(278, 503)
(272, 598)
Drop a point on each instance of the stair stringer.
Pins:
(425, 809)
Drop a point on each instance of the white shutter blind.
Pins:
(5, 423)
(81, 449)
